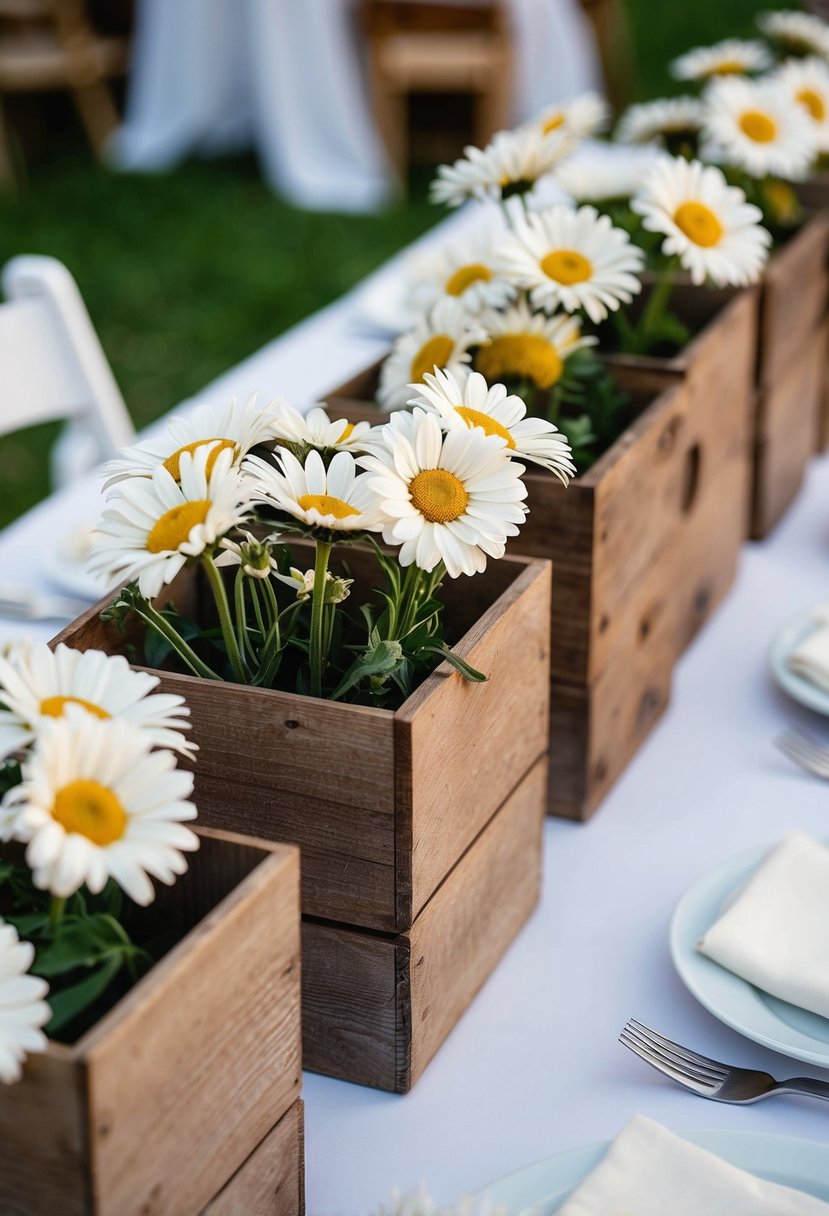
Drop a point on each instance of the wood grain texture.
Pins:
(376, 1007)
(156, 1107)
(794, 298)
(272, 1180)
(337, 779)
(790, 413)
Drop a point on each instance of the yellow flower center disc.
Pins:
(437, 352)
(527, 355)
(172, 463)
(90, 809)
(567, 266)
(174, 526)
(554, 122)
(699, 223)
(438, 495)
(53, 707)
(327, 505)
(813, 102)
(465, 276)
(758, 126)
(489, 424)
(728, 67)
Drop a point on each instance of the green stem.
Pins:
(656, 306)
(56, 910)
(317, 649)
(186, 653)
(220, 596)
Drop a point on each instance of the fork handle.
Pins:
(805, 1085)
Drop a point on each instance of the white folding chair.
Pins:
(52, 366)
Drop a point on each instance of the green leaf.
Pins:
(381, 659)
(467, 671)
(72, 1001)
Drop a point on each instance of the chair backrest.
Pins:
(52, 363)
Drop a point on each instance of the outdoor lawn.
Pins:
(189, 273)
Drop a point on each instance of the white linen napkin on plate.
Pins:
(810, 658)
(775, 931)
(648, 1171)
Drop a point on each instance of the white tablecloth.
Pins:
(534, 1067)
(286, 76)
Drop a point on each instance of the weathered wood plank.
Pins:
(272, 1180)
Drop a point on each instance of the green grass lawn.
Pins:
(185, 274)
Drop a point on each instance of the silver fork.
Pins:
(709, 1078)
(813, 757)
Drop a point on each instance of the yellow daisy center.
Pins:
(465, 276)
(437, 352)
(728, 67)
(567, 266)
(172, 463)
(438, 495)
(90, 809)
(527, 355)
(554, 122)
(813, 102)
(699, 223)
(782, 199)
(53, 707)
(174, 526)
(327, 505)
(758, 126)
(490, 425)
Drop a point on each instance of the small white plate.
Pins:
(540, 1189)
(754, 1013)
(785, 641)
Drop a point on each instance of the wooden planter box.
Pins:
(385, 806)
(272, 1180)
(644, 546)
(814, 194)
(156, 1108)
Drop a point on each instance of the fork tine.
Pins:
(715, 1067)
(686, 1061)
(804, 754)
(661, 1066)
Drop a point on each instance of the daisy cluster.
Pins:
(94, 796)
(442, 487)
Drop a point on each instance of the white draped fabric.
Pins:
(286, 76)
(534, 1066)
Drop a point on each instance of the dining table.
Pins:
(534, 1067)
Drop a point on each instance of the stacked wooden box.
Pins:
(420, 829)
(184, 1098)
(644, 545)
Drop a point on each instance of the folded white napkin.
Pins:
(775, 931)
(811, 658)
(648, 1171)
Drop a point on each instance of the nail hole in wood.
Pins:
(691, 477)
(291, 724)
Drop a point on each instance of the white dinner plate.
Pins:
(540, 1189)
(754, 1013)
(785, 641)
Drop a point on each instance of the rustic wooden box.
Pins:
(155, 1108)
(644, 545)
(376, 1007)
(272, 1180)
(382, 804)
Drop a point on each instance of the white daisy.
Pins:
(757, 127)
(152, 526)
(23, 1008)
(572, 259)
(529, 345)
(510, 164)
(96, 802)
(663, 121)
(334, 499)
(580, 117)
(796, 33)
(236, 428)
(806, 81)
(473, 403)
(453, 498)
(37, 684)
(463, 270)
(316, 430)
(441, 338)
(731, 57)
(715, 233)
